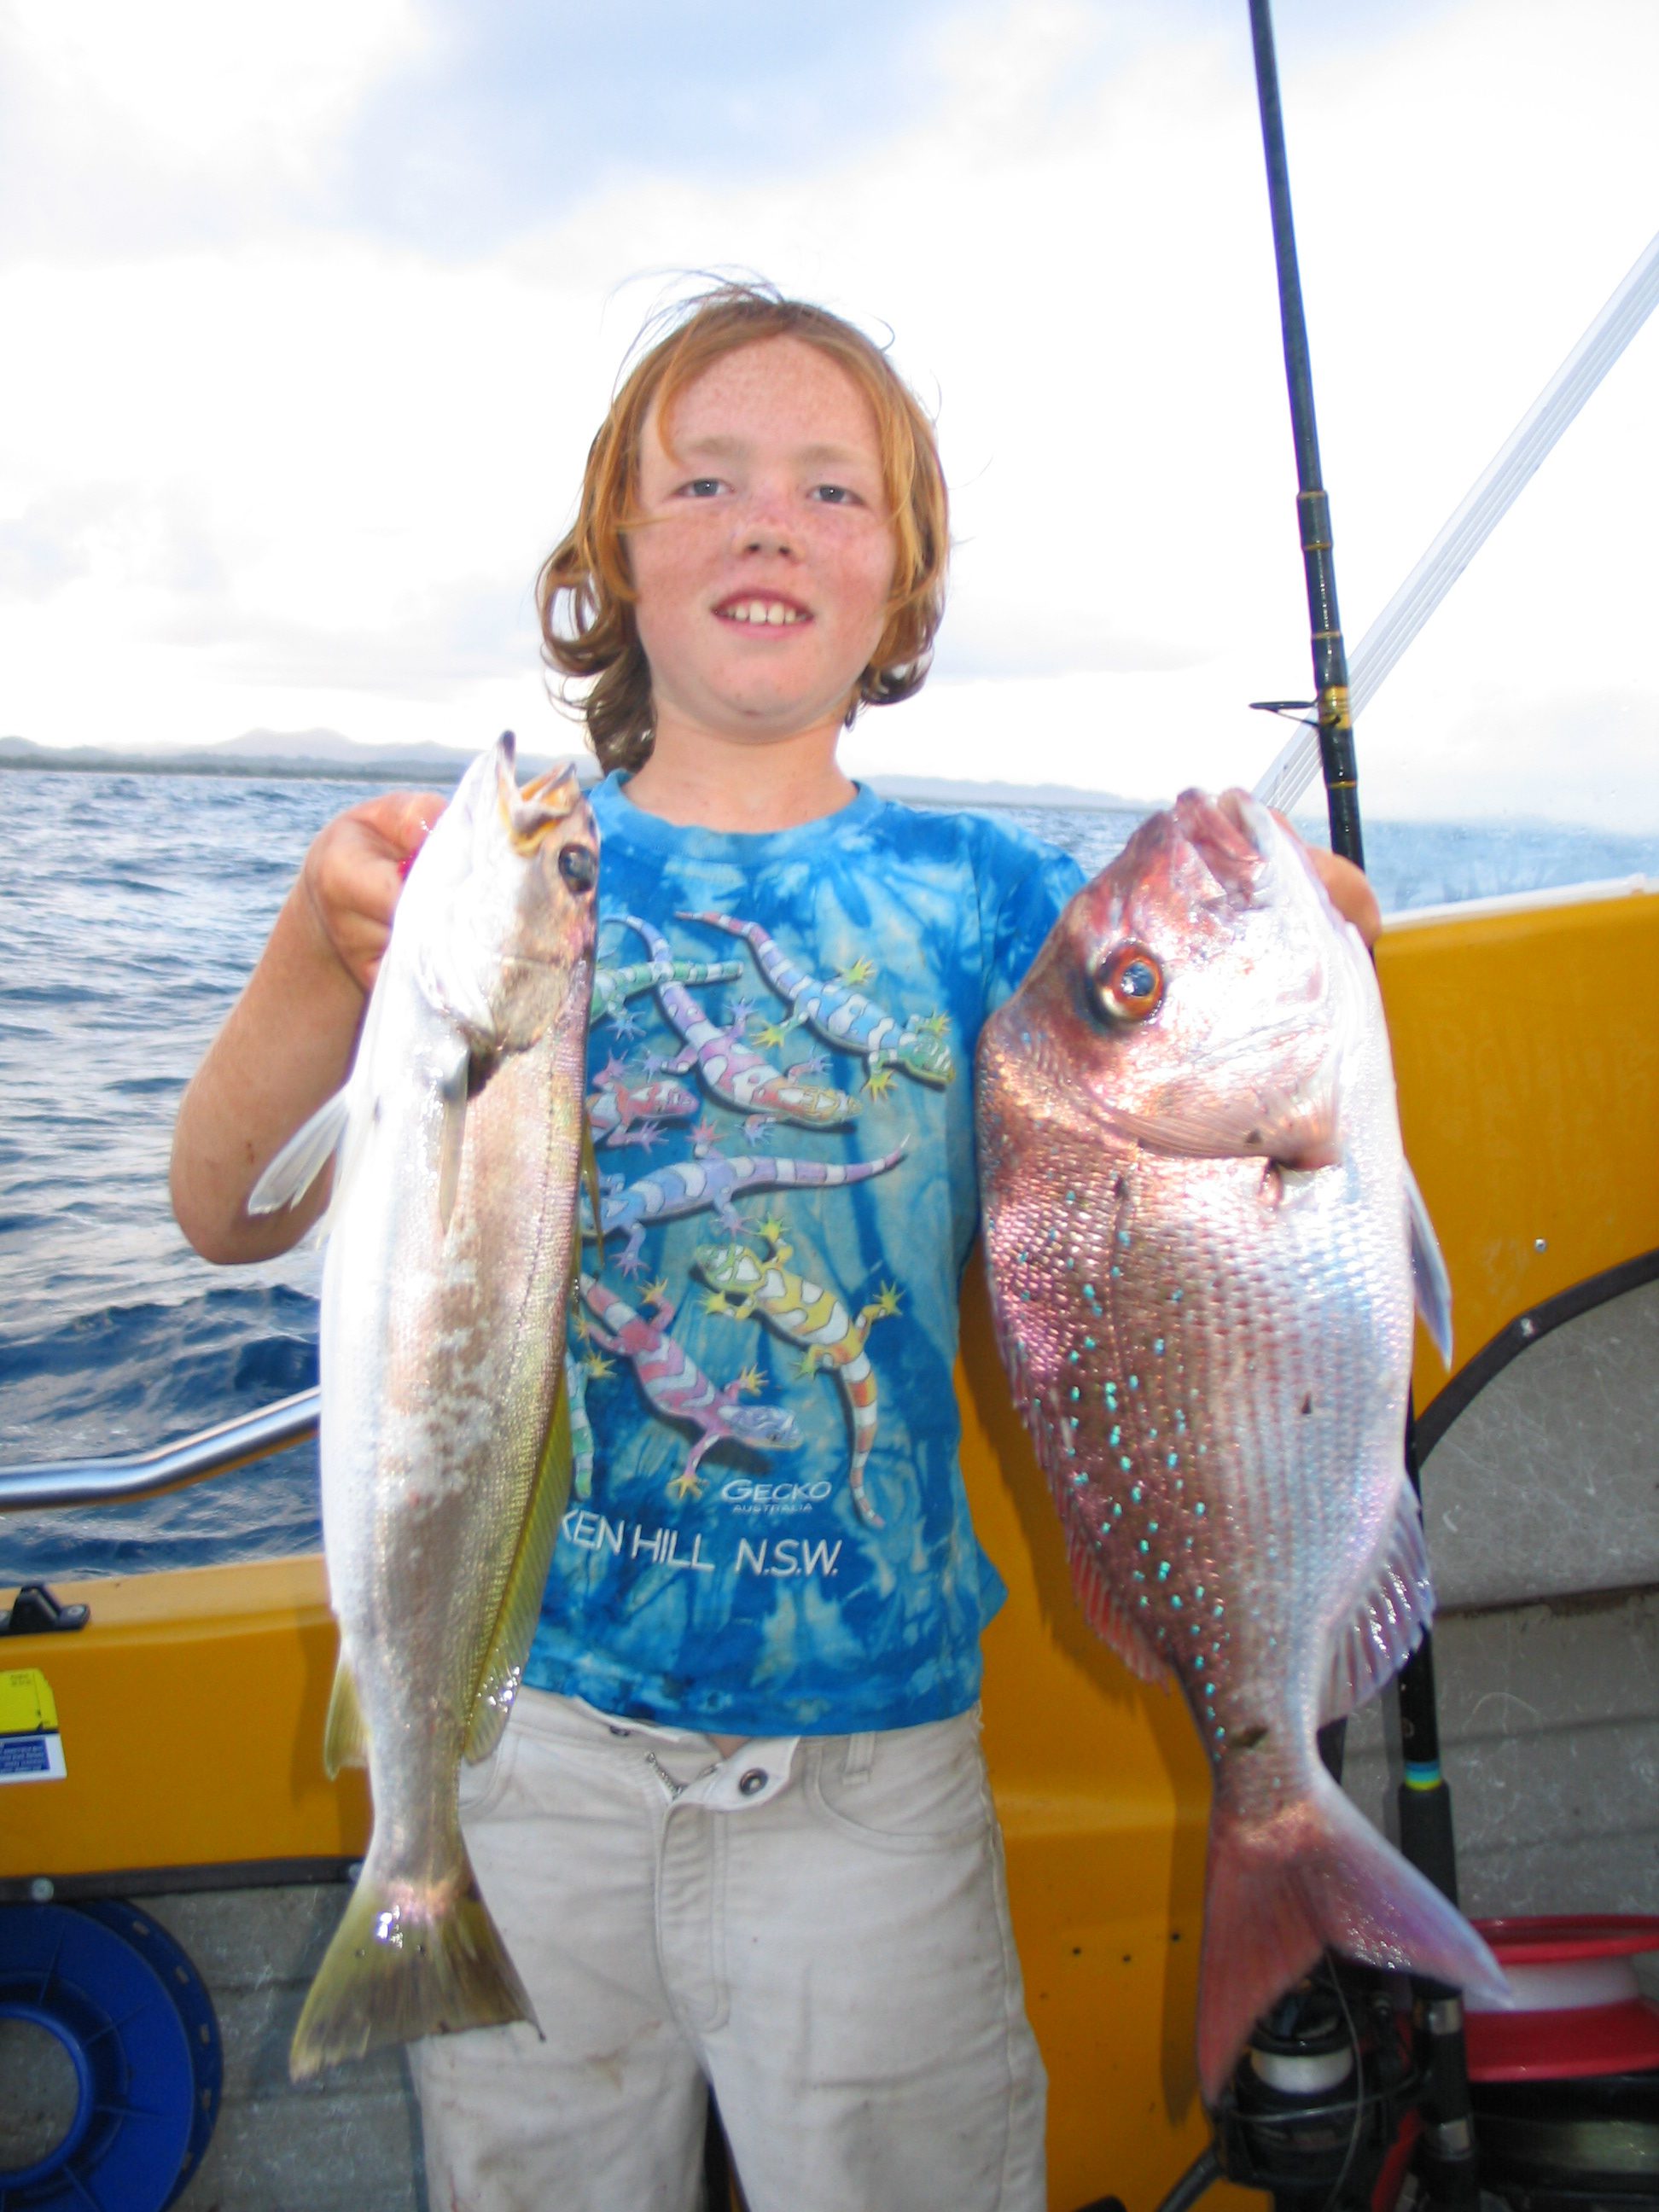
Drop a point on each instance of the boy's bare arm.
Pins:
(287, 1044)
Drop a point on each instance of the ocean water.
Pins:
(131, 909)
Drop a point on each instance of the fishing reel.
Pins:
(1319, 2099)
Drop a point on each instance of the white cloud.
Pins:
(201, 89)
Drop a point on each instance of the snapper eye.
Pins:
(580, 869)
(1128, 983)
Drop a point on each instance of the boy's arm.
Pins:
(288, 1042)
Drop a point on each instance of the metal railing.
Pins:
(170, 1467)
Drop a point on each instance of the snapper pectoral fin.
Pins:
(1430, 1280)
(1297, 1128)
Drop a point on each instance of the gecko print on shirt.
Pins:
(675, 1385)
(806, 1314)
(773, 1536)
(842, 1014)
(735, 1075)
(628, 1106)
(709, 1180)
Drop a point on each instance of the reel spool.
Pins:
(136, 2106)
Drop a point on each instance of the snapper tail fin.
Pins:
(1278, 1893)
(402, 1967)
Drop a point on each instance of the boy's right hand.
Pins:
(354, 871)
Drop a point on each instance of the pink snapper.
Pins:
(1203, 1235)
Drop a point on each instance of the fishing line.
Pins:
(1489, 500)
(1356, 2127)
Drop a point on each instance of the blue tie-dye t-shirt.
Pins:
(767, 1533)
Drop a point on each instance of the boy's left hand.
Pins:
(1346, 887)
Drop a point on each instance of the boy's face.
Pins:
(765, 560)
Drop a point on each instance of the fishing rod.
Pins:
(1489, 499)
(1450, 2173)
(1332, 707)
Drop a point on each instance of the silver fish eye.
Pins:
(578, 867)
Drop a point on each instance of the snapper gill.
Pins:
(444, 1437)
(1202, 1235)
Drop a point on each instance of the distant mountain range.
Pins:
(269, 753)
(310, 753)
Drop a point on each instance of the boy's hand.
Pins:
(1349, 892)
(354, 871)
(1345, 886)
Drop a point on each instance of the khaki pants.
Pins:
(818, 1926)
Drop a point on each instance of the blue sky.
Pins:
(313, 311)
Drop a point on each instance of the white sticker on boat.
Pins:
(31, 1748)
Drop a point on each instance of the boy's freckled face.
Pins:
(765, 560)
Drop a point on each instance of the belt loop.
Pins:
(859, 1758)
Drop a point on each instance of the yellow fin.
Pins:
(345, 1736)
(521, 1600)
(387, 1978)
(590, 1176)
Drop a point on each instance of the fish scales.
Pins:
(1196, 1216)
(444, 1450)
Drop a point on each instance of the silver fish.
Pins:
(1201, 1236)
(445, 1436)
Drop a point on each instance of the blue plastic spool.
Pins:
(131, 2014)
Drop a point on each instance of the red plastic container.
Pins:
(1578, 2009)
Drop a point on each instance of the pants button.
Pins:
(751, 1784)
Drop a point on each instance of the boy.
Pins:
(739, 1829)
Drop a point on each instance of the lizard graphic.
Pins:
(713, 1180)
(677, 1387)
(842, 1015)
(624, 1108)
(733, 1073)
(813, 1318)
(614, 986)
